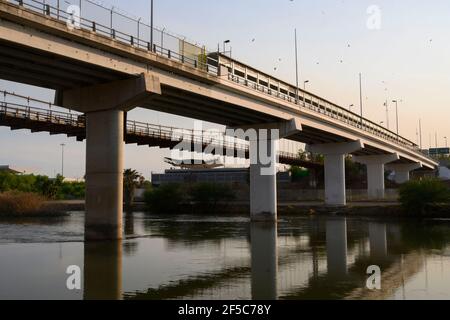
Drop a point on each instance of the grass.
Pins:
(24, 204)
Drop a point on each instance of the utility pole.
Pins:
(296, 66)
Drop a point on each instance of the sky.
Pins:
(401, 48)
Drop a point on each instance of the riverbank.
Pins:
(306, 208)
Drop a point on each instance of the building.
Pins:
(227, 175)
(9, 169)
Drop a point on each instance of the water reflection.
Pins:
(264, 265)
(207, 257)
(103, 270)
(336, 234)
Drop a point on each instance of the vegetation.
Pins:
(168, 198)
(131, 180)
(15, 203)
(417, 196)
(53, 189)
(206, 196)
(174, 198)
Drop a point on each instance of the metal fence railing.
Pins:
(21, 107)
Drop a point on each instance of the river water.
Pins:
(208, 257)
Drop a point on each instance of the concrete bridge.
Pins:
(104, 73)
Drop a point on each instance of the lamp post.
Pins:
(151, 25)
(224, 45)
(396, 116)
(350, 107)
(304, 91)
(446, 142)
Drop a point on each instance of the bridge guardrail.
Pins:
(212, 138)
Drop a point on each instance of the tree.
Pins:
(131, 180)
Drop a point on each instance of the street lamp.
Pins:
(151, 25)
(446, 142)
(62, 159)
(396, 116)
(304, 91)
(224, 45)
(350, 107)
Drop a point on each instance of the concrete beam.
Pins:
(375, 173)
(286, 128)
(402, 170)
(334, 154)
(120, 95)
(336, 148)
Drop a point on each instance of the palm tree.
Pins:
(131, 180)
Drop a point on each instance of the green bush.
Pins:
(167, 198)
(206, 196)
(416, 196)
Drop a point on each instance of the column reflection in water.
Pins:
(337, 246)
(378, 241)
(103, 270)
(263, 238)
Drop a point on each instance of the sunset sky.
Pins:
(407, 58)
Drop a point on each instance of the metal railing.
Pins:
(174, 49)
(166, 45)
(213, 138)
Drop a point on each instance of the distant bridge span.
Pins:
(19, 116)
(104, 72)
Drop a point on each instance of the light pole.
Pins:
(350, 107)
(151, 25)
(296, 67)
(396, 116)
(62, 159)
(446, 142)
(224, 45)
(386, 104)
(304, 91)
(360, 98)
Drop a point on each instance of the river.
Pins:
(209, 257)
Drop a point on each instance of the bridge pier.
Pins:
(104, 174)
(264, 142)
(375, 173)
(104, 106)
(334, 154)
(402, 171)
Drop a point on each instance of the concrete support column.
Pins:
(263, 181)
(402, 171)
(104, 175)
(334, 154)
(337, 247)
(375, 173)
(264, 142)
(104, 105)
(335, 193)
(264, 257)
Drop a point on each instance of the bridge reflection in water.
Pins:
(300, 259)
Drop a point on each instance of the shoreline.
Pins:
(309, 208)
